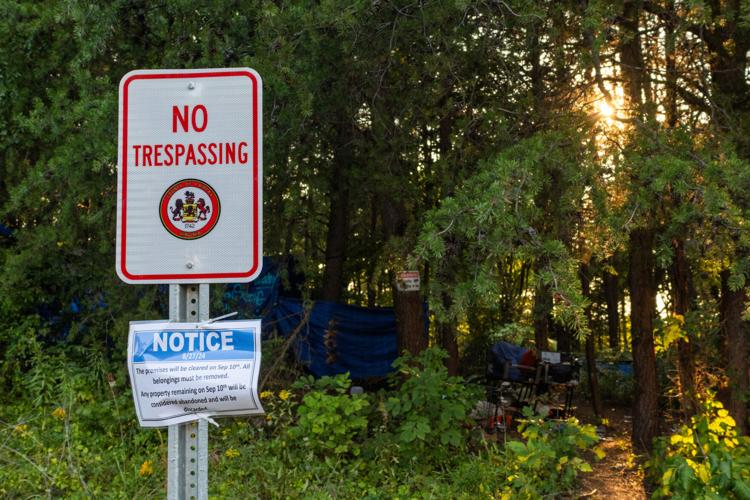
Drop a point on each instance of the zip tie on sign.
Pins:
(207, 418)
(209, 321)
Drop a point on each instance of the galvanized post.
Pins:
(187, 468)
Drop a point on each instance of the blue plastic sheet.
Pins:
(624, 368)
(340, 338)
(505, 352)
(337, 338)
(257, 298)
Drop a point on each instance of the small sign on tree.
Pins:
(407, 281)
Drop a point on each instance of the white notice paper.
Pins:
(185, 371)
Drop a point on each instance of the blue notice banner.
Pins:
(193, 345)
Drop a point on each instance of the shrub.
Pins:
(704, 460)
(616, 387)
(329, 419)
(83, 441)
(549, 461)
(427, 415)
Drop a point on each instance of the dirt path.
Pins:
(617, 475)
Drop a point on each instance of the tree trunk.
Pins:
(447, 330)
(448, 340)
(642, 261)
(407, 305)
(731, 307)
(643, 311)
(593, 378)
(671, 70)
(729, 43)
(624, 324)
(611, 295)
(683, 293)
(372, 262)
(409, 322)
(564, 337)
(541, 312)
(338, 217)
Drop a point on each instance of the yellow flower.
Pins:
(701, 470)
(59, 413)
(266, 394)
(284, 395)
(232, 453)
(147, 468)
(21, 428)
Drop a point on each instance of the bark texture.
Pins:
(611, 295)
(593, 378)
(338, 216)
(643, 311)
(541, 312)
(683, 295)
(732, 306)
(409, 322)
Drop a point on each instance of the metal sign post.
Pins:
(187, 468)
(189, 213)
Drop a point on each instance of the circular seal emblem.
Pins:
(189, 209)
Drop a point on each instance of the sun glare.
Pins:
(605, 109)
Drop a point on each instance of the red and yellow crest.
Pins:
(189, 209)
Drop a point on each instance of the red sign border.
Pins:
(124, 176)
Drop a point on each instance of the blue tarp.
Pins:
(340, 338)
(257, 298)
(336, 339)
(622, 367)
(505, 352)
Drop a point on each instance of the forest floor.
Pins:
(617, 475)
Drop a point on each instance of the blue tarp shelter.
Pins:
(337, 338)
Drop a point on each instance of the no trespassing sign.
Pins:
(190, 154)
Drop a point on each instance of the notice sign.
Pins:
(184, 371)
(190, 176)
(407, 281)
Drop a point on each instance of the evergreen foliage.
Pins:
(557, 171)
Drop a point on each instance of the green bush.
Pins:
(706, 459)
(550, 459)
(428, 414)
(83, 440)
(616, 387)
(329, 419)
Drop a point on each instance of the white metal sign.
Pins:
(407, 281)
(189, 205)
(185, 371)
